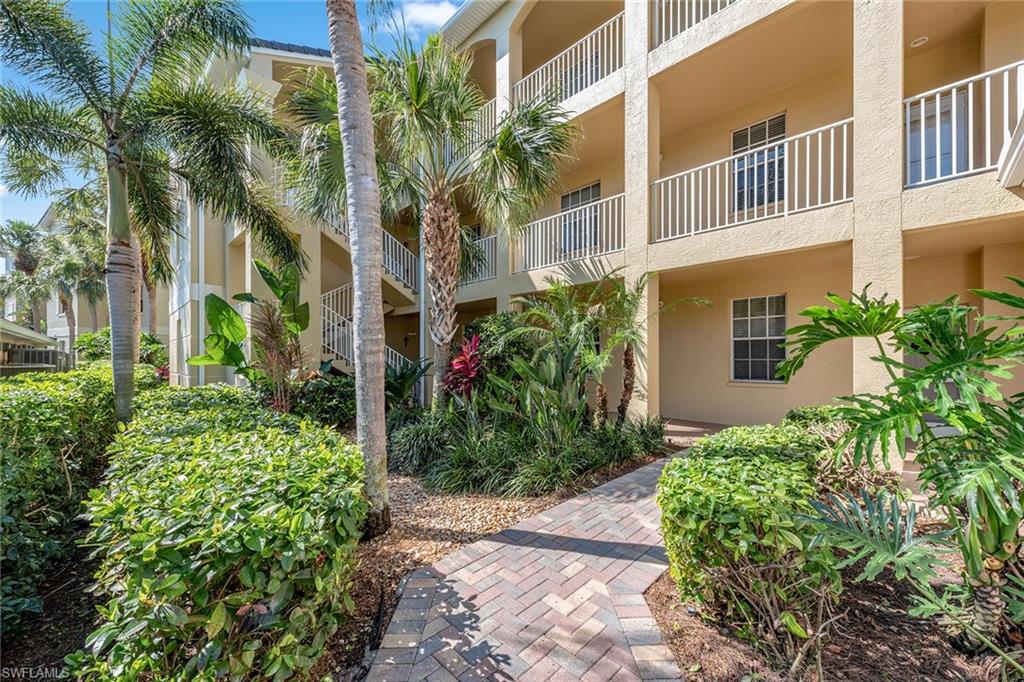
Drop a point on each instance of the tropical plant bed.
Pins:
(426, 526)
(876, 640)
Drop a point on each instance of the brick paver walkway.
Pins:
(559, 596)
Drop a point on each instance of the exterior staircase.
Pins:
(336, 337)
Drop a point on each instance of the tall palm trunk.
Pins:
(67, 305)
(356, 125)
(150, 284)
(137, 296)
(601, 413)
(94, 318)
(441, 246)
(628, 380)
(121, 282)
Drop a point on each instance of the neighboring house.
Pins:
(757, 153)
(88, 317)
(25, 350)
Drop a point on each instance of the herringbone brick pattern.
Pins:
(557, 597)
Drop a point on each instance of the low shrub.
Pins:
(96, 346)
(812, 414)
(497, 346)
(422, 440)
(227, 537)
(55, 428)
(782, 443)
(737, 542)
(330, 400)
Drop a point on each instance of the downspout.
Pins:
(201, 246)
(422, 274)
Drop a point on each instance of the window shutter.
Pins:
(759, 134)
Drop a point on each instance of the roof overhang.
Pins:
(470, 16)
(1010, 171)
(15, 333)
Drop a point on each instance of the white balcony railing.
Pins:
(592, 230)
(399, 262)
(588, 60)
(961, 128)
(669, 18)
(478, 130)
(339, 300)
(485, 269)
(799, 173)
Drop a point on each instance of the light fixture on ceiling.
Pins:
(918, 41)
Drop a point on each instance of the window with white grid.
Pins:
(758, 332)
(759, 175)
(580, 228)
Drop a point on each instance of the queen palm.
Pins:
(424, 104)
(23, 242)
(60, 269)
(138, 109)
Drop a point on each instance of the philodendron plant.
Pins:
(945, 363)
(276, 328)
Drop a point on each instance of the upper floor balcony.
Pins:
(669, 18)
(486, 266)
(961, 128)
(591, 230)
(589, 60)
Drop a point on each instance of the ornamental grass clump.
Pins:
(227, 541)
(55, 427)
(738, 542)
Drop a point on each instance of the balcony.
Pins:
(486, 268)
(591, 230)
(799, 173)
(965, 125)
(592, 58)
(669, 18)
(476, 132)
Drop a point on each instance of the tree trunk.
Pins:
(356, 125)
(987, 609)
(151, 304)
(137, 296)
(601, 413)
(94, 316)
(69, 313)
(441, 247)
(121, 279)
(628, 378)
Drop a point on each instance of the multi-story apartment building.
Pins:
(758, 153)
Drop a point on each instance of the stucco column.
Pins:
(642, 109)
(877, 166)
(508, 54)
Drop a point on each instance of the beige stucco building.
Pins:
(758, 153)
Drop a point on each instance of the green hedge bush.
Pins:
(227, 535)
(96, 346)
(731, 516)
(55, 427)
(330, 400)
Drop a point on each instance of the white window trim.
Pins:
(732, 339)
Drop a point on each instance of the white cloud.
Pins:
(424, 16)
(3, 190)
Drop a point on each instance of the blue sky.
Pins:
(303, 22)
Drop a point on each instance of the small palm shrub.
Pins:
(55, 429)
(96, 346)
(227, 537)
(417, 445)
(737, 541)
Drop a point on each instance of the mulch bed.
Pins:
(876, 641)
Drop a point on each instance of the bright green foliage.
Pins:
(55, 427)
(737, 540)
(415, 447)
(781, 443)
(946, 362)
(812, 414)
(96, 346)
(227, 541)
(400, 383)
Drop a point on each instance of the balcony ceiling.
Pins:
(554, 25)
(940, 21)
(799, 43)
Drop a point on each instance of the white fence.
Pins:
(669, 18)
(485, 269)
(961, 128)
(595, 56)
(800, 173)
(591, 230)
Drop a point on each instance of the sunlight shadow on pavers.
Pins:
(642, 553)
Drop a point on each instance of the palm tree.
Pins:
(423, 105)
(362, 201)
(426, 102)
(139, 110)
(23, 241)
(60, 269)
